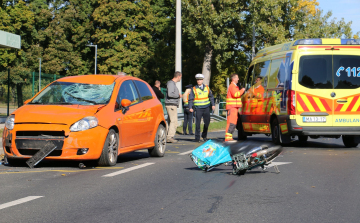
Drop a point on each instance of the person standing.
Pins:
(171, 104)
(157, 90)
(233, 103)
(188, 116)
(201, 98)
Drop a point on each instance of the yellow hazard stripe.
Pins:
(298, 106)
(307, 102)
(356, 106)
(346, 105)
(319, 104)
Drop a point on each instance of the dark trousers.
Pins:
(205, 114)
(188, 116)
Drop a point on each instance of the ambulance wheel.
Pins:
(275, 132)
(303, 138)
(349, 141)
(241, 134)
(109, 153)
(160, 143)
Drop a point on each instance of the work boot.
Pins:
(171, 140)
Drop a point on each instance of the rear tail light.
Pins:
(291, 102)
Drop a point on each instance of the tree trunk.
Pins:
(206, 70)
(19, 95)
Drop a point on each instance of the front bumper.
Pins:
(16, 145)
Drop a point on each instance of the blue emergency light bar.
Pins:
(308, 42)
(350, 42)
(320, 42)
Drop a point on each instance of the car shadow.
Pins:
(133, 156)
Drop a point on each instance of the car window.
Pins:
(346, 72)
(315, 72)
(145, 93)
(261, 70)
(127, 91)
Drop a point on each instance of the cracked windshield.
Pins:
(74, 93)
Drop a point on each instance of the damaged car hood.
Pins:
(54, 114)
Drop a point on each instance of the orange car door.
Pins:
(131, 129)
(147, 117)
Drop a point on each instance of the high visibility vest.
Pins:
(201, 96)
(233, 101)
(186, 102)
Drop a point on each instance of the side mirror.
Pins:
(27, 101)
(125, 103)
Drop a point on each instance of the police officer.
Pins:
(201, 98)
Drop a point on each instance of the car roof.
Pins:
(92, 79)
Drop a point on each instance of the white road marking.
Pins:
(277, 163)
(127, 170)
(185, 153)
(19, 201)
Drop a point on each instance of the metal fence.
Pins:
(17, 86)
(220, 105)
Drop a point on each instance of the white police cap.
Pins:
(199, 76)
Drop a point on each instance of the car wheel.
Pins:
(349, 141)
(275, 132)
(303, 138)
(110, 150)
(160, 143)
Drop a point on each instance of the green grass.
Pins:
(1, 132)
(214, 126)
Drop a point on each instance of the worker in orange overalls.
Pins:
(233, 103)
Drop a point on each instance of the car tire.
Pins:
(275, 132)
(303, 138)
(160, 143)
(241, 133)
(110, 149)
(349, 141)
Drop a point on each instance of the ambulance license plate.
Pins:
(314, 119)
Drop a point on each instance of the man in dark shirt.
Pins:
(157, 90)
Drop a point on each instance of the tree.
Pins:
(213, 26)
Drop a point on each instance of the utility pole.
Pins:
(8, 96)
(40, 74)
(253, 42)
(178, 48)
(95, 56)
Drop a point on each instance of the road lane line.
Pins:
(127, 170)
(185, 153)
(19, 201)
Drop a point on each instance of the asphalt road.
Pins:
(318, 182)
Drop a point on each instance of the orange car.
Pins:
(92, 117)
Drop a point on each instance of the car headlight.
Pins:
(84, 124)
(10, 122)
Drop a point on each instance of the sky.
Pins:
(347, 9)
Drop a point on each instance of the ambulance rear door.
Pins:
(314, 88)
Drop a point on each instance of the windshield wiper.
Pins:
(60, 103)
(81, 99)
(36, 102)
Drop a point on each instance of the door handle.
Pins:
(341, 101)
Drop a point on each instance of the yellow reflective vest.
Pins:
(201, 96)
